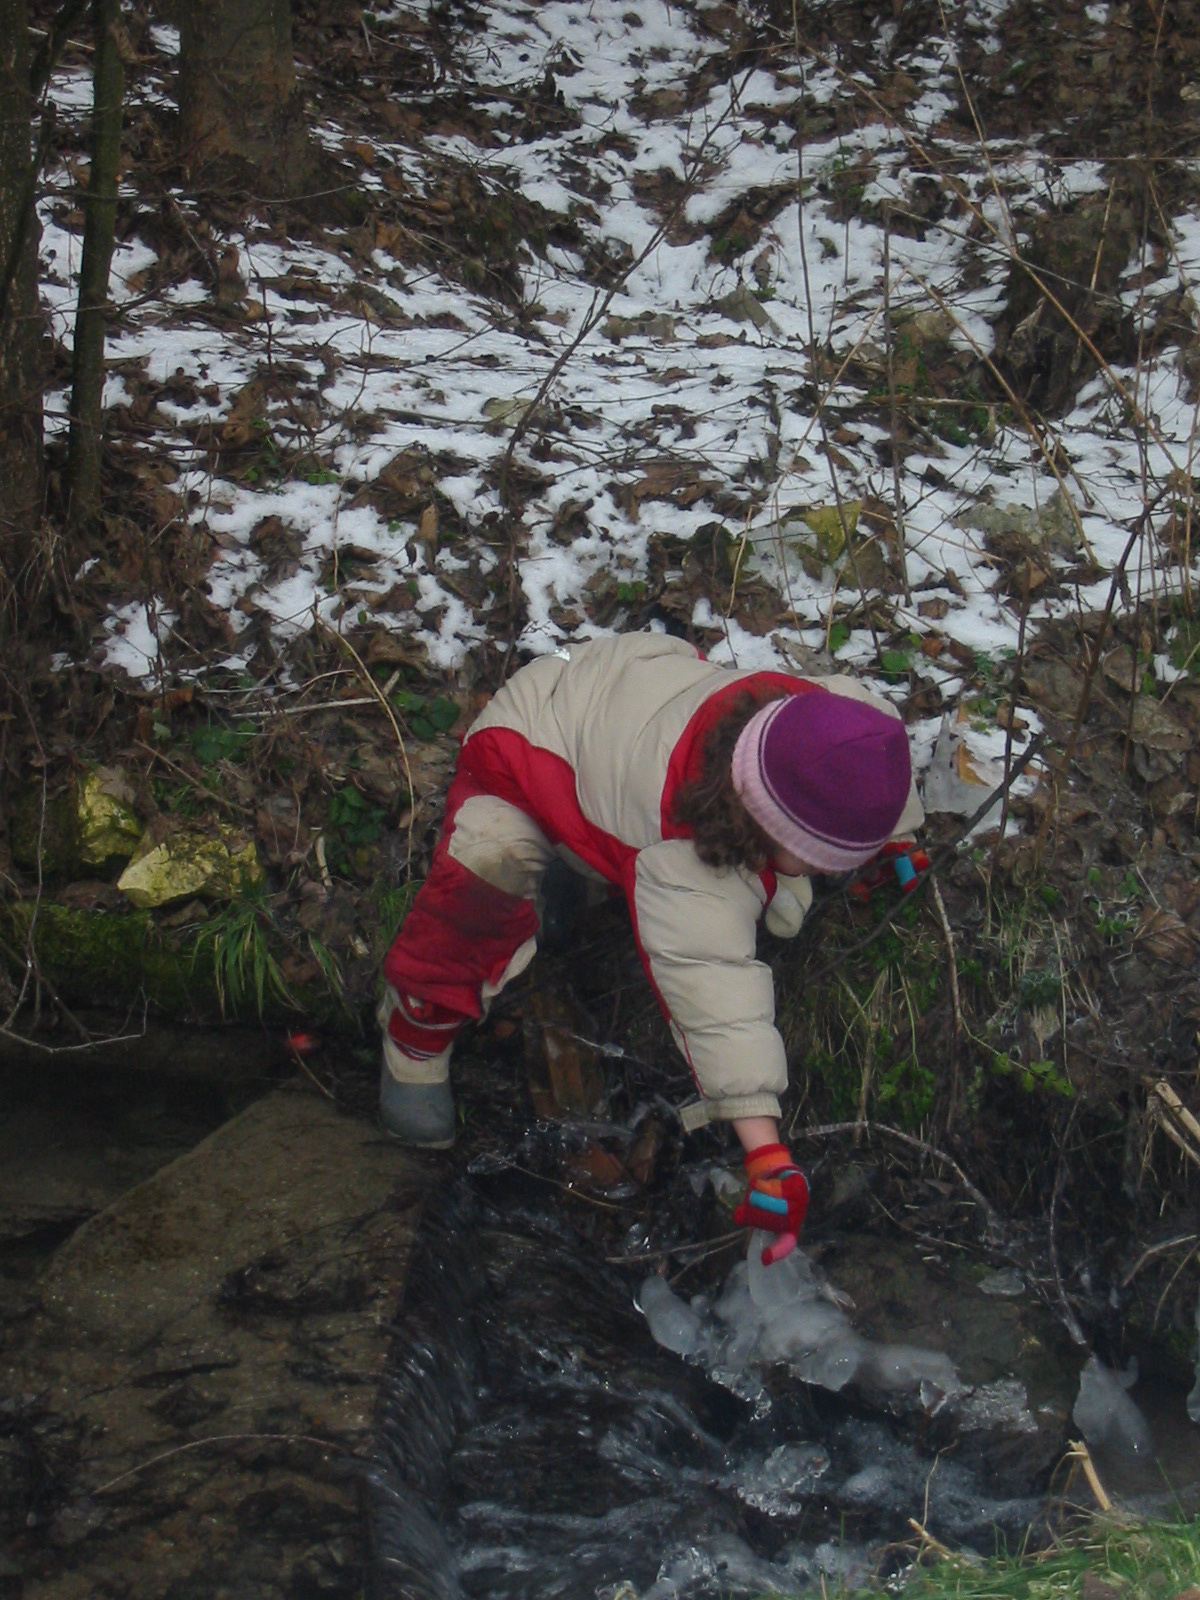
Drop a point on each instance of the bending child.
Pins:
(711, 797)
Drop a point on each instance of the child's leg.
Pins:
(472, 928)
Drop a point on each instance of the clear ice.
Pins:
(1105, 1414)
(781, 1313)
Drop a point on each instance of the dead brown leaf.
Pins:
(1167, 936)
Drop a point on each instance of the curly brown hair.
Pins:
(723, 831)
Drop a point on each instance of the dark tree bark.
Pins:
(100, 219)
(20, 325)
(238, 103)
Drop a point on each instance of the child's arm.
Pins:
(754, 1132)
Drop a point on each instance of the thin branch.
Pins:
(948, 932)
(378, 695)
(832, 1130)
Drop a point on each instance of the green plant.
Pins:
(1108, 1557)
(1185, 646)
(392, 904)
(1040, 988)
(906, 1092)
(237, 942)
(356, 820)
(218, 742)
(894, 664)
(267, 466)
(1032, 1075)
(839, 635)
(426, 715)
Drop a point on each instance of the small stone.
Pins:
(173, 863)
(1095, 1587)
(742, 305)
(108, 824)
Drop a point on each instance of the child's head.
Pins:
(825, 777)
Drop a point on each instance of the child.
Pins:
(709, 796)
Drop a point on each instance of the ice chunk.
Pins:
(798, 1330)
(778, 1485)
(734, 1304)
(781, 1313)
(906, 1368)
(784, 1283)
(1006, 1283)
(1105, 1414)
(1002, 1404)
(672, 1322)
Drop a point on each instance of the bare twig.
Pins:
(954, 999)
(378, 694)
(1070, 1321)
(831, 1130)
(220, 1439)
(1079, 1451)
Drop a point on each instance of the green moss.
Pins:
(48, 835)
(108, 956)
(117, 959)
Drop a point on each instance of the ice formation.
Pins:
(780, 1313)
(1105, 1414)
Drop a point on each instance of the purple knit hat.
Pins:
(824, 776)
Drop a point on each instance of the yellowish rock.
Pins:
(175, 862)
(107, 823)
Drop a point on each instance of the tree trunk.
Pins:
(20, 325)
(100, 221)
(237, 92)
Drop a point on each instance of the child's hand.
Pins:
(776, 1199)
(898, 862)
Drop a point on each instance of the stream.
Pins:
(235, 1314)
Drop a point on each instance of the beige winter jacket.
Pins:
(592, 746)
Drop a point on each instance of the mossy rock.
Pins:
(175, 862)
(120, 959)
(111, 958)
(87, 825)
(44, 838)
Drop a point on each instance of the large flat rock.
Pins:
(190, 1394)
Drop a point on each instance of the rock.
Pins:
(503, 411)
(82, 826)
(818, 535)
(108, 825)
(1053, 526)
(832, 524)
(210, 1346)
(175, 861)
(742, 305)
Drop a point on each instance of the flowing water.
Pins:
(556, 1416)
(539, 1442)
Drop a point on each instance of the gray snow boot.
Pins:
(419, 1114)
